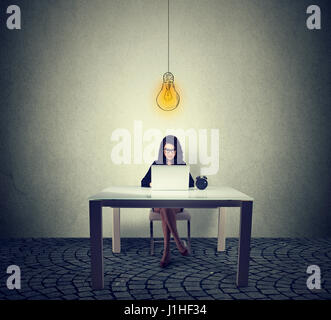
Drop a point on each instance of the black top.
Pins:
(148, 177)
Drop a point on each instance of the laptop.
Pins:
(174, 177)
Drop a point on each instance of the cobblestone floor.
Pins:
(60, 269)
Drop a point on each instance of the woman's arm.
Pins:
(191, 184)
(146, 181)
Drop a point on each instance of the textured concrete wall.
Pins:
(78, 70)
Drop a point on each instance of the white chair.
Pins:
(180, 216)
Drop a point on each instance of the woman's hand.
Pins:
(150, 184)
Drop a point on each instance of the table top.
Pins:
(139, 193)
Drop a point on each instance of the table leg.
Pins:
(221, 229)
(96, 244)
(116, 231)
(244, 243)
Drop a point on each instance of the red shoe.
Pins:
(164, 263)
(185, 252)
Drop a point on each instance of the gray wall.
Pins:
(78, 70)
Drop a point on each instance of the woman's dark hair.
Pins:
(178, 159)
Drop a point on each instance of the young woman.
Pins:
(170, 153)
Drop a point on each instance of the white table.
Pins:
(137, 197)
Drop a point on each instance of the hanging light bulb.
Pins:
(168, 97)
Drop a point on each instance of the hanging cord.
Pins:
(168, 35)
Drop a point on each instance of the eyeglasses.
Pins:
(169, 150)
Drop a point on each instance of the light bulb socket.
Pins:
(168, 77)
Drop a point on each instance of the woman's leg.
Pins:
(166, 242)
(168, 215)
